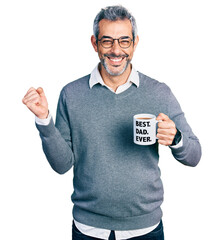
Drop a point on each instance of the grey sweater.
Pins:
(117, 183)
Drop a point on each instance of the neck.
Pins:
(114, 81)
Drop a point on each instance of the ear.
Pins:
(94, 43)
(136, 42)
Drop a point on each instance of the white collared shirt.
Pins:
(96, 78)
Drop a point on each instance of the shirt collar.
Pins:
(96, 78)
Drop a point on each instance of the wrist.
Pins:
(43, 116)
(44, 121)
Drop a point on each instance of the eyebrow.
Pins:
(123, 37)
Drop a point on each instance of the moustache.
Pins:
(112, 55)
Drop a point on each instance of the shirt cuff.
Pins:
(178, 140)
(43, 122)
(180, 144)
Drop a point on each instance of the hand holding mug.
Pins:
(166, 130)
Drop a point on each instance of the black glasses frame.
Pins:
(113, 39)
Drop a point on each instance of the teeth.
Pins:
(116, 59)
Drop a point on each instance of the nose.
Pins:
(116, 47)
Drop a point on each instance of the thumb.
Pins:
(40, 91)
(162, 116)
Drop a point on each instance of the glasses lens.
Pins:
(107, 42)
(125, 42)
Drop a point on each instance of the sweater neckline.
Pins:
(132, 89)
(123, 94)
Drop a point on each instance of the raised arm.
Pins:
(57, 146)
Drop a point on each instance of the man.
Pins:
(117, 187)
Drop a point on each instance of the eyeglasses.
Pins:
(108, 42)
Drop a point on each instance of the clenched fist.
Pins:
(36, 101)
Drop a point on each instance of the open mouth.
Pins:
(115, 60)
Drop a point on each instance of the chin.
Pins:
(114, 72)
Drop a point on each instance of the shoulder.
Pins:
(77, 86)
(151, 84)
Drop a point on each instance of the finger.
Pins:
(165, 137)
(33, 98)
(164, 142)
(40, 91)
(30, 96)
(29, 92)
(163, 125)
(166, 124)
(170, 131)
(32, 102)
(32, 89)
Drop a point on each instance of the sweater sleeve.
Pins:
(190, 152)
(57, 145)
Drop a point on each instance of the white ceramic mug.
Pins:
(144, 126)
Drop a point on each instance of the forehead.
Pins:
(115, 29)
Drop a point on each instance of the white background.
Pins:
(47, 43)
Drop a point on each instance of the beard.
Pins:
(109, 71)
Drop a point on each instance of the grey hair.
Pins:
(114, 13)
